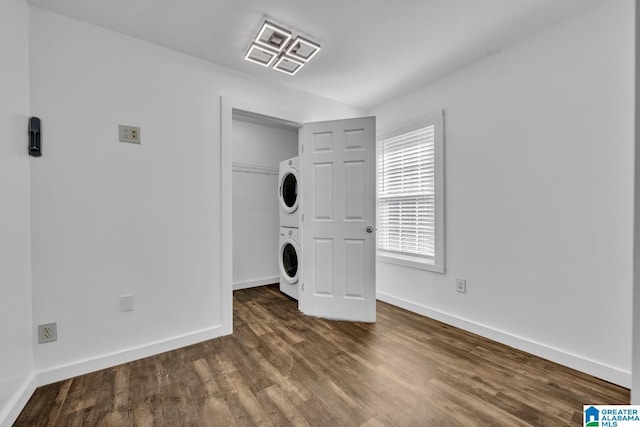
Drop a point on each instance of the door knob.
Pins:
(369, 229)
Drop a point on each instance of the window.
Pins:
(410, 195)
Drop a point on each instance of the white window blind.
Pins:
(407, 196)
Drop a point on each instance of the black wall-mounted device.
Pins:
(35, 132)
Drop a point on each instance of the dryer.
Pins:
(289, 261)
(289, 192)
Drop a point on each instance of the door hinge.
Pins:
(302, 217)
(302, 147)
(302, 286)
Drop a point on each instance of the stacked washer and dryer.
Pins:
(289, 253)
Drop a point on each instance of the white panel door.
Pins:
(338, 207)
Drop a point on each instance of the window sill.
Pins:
(407, 262)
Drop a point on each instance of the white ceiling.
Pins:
(372, 50)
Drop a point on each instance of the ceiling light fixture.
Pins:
(303, 49)
(274, 47)
(273, 36)
(260, 55)
(288, 65)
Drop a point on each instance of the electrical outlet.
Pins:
(126, 303)
(129, 134)
(461, 285)
(47, 332)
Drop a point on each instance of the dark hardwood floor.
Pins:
(282, 368)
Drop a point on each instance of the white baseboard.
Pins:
(580, 363)
(256, 283)
(113, 359)
(19, 401)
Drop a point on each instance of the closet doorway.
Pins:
(338, 175)
(259, 144)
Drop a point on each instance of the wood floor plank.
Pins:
(281, 368)
(287, 407)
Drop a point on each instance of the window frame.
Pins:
(437, 264)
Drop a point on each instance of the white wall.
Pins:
(111, 218)
(256, 219)
(539, 190)
(16, 334)
(263, 145)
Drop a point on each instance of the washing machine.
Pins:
(289, 262)
(289, 192)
